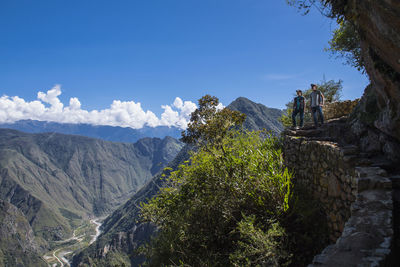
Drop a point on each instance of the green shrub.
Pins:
(204, 213)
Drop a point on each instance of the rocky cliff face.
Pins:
(376, 122)
(57, 180)
(18, 246)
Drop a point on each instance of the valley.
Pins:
(106, 160)
(62, 251)
(124, 222)
(54, 183)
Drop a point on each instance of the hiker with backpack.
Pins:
(316, 103)
(298, 108)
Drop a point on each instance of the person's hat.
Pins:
(299, 91)
(312, 85)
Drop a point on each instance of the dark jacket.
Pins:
(302, 102)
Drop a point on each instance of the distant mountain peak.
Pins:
(258, 116)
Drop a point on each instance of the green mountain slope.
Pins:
(56, 179)
(17, 242)
(258, 116)
(122, 230)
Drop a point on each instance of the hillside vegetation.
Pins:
(57, 180)
(215, 197)
(17, 246)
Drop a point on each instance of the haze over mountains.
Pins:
(108, 133)
(122, 230)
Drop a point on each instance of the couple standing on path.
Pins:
(316, 103)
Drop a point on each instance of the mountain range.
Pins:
(51, 181)
(258, 116)
(123, 232)
(108, 133)
(56, 180)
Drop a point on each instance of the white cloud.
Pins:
(179, 117)
(48, 107)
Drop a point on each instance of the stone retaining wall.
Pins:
(322, 167)
(356, 198)
(339, 109)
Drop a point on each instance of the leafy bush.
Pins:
(231, 204)
(224, 207)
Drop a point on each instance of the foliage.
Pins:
(306, 226)
(330, 89)
(208, 125)
(345, 43)
(258, 247)
(329, 8)
(286, 118)
(224, 207)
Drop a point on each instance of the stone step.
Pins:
(367, 235)
(370, 171)
(350, 150)
(323, 138)
(355, 160)
(342, 119)
(382, 163)
(308, 133)
(363, 162)
(374, 182)
(350, 159)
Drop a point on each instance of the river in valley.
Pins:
(82, 237)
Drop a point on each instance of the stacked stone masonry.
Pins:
(356, 195)
(321, 166)
(339, 109)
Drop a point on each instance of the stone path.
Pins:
(369, 235)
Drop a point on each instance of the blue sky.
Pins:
(152, 51)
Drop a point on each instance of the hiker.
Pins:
(316, 103)
(298, 108)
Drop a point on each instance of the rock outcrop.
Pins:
(18, 246)
(376, 121)
(339, 109)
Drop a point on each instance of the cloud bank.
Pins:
(48, 107)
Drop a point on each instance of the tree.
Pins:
(208, 125)
(332, 90)
(346, 43)
(224, 207)
(329, 8)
